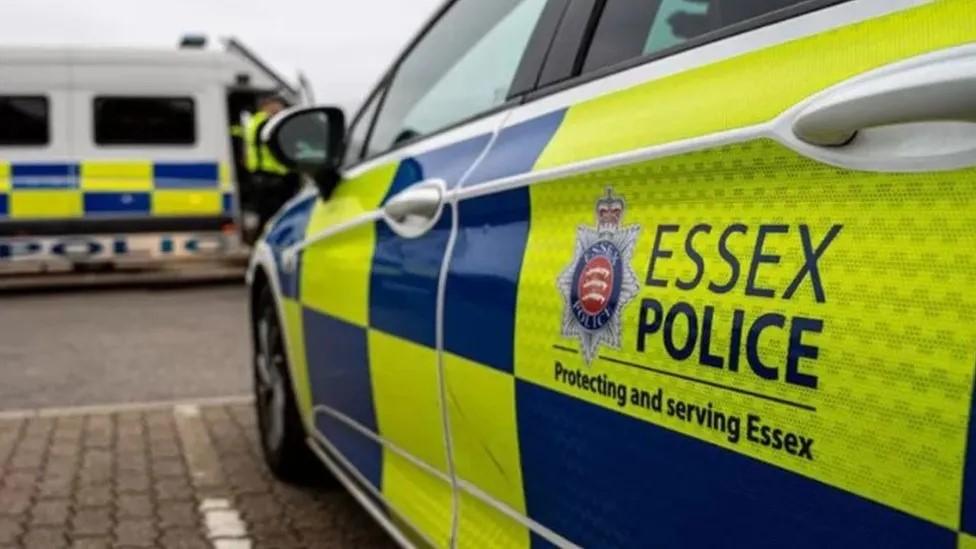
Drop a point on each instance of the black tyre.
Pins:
(281, 431)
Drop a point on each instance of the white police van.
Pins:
(119, 157)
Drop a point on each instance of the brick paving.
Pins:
(121, 480)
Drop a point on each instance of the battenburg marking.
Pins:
(599, 282)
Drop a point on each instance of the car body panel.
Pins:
(841, 295)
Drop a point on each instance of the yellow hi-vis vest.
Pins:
(259, 157)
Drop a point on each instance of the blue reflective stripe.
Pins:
(482, 284)
(202, 175)
(644, 482)
(517, 148)
(338, 367)
(104, 203)
(289, 229)
(405, 272)
(44, 176)
(227, 203)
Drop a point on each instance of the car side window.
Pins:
(629, 29)
(463, 66)
(359, 132)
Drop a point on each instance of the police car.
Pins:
(652, 274)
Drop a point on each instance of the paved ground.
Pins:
(175, 478)
(122, 345)
(134, 475)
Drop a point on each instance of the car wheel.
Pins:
(281, 431)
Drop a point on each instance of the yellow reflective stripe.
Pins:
(186, 202)
(226, 180)
(4, 175)
(424, 500)
(117, 176)
(341, 265)
(295, 337)
(406, 394)
(482, 418)
(482, 414)
(482, 525)
(755, 87)
(45, 204)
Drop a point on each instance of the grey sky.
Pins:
(343, 45)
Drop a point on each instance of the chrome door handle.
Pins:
(941, 91)
(417, 209)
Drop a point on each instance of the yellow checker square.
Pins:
(186, 202)
(694, 109)
(46, 204)
(406, 393)
(885, 327)
(336, 271)
(226, 176)
(481, 410)
(4, 176)
(295, 340)
(423, 499)
(482, 525)
(120, 176)
(965, 541)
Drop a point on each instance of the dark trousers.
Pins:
(271, 191)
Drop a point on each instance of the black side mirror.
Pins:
(310, 141)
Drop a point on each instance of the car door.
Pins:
(726, 298)
(371, 261)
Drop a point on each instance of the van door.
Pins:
(372, 260)
(728, 300)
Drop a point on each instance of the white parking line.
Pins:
(225, 528)
(124, 407)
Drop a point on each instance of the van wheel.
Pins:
(280, 425)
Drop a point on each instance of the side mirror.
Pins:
(310, 141)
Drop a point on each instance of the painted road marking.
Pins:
(101, 409)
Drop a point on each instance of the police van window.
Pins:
(356, 141)
(629, 29)
(144, 121)
(462, 67)
(24, 120)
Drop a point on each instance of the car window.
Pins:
(463, 66)
(633, 28)
(359, 132)
(24, 120)
(144, 121)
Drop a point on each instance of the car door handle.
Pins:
(941, 91)
(417, 209)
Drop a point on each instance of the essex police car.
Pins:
(649, 274)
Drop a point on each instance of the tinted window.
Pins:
(359, 132)
(462, 67)
(634, 28)
(24, 120)
(144, 121)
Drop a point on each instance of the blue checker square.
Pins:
(44, 176)
(338, 366)
(4, 206)
(604, 479)
(482, 284)
(117, 203)
(203, 175)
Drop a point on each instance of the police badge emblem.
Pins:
(599, 282)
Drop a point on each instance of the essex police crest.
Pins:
(599, 282)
